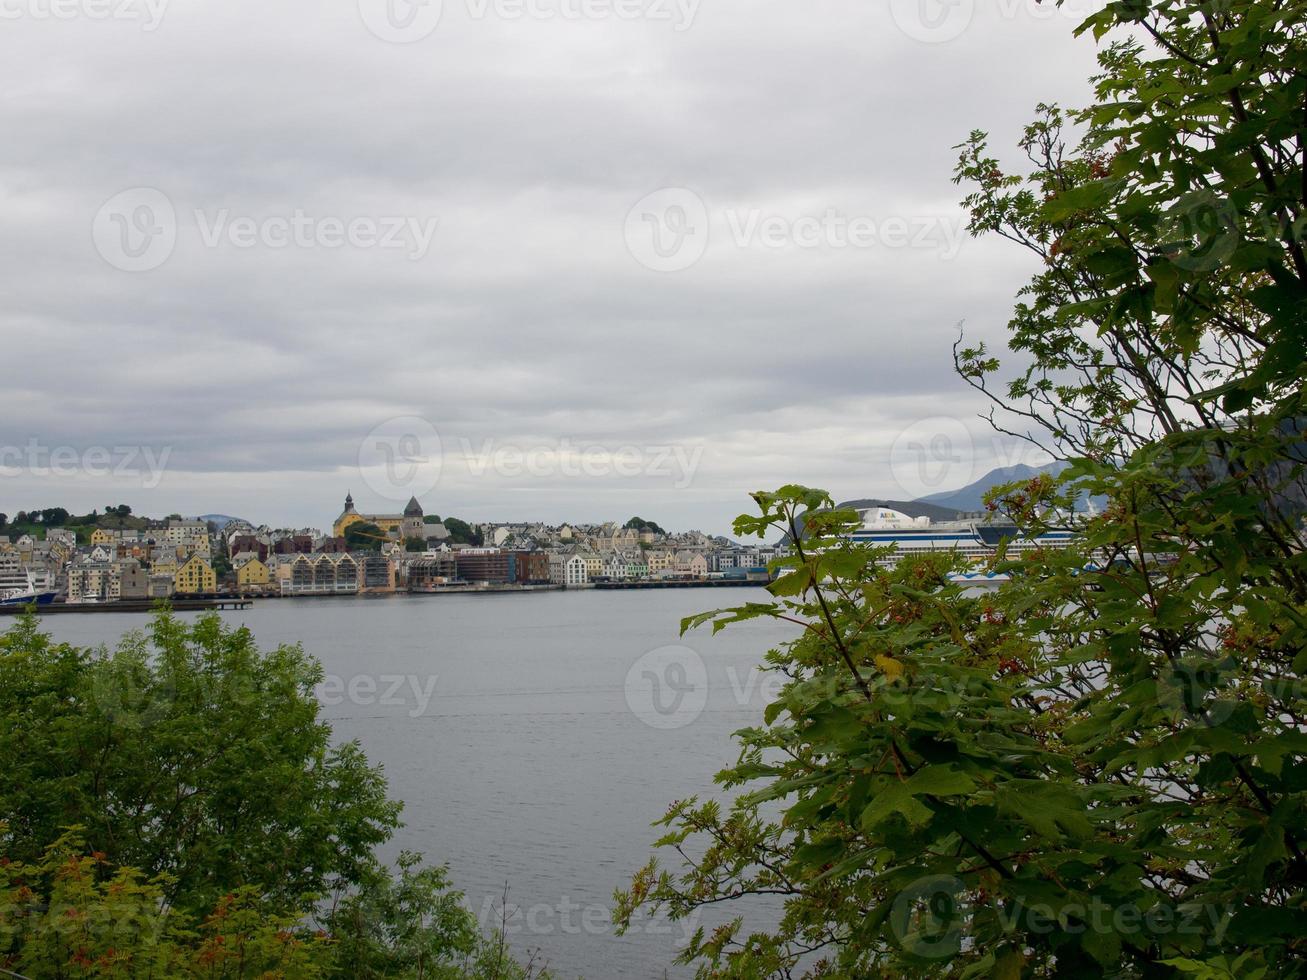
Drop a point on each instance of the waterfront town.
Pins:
(363, 553)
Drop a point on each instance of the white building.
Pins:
(569, 571)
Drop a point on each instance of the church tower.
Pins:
(414, 526)
(347, 517)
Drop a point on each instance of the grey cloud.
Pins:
(529, 320)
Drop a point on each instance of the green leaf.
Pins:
(894, 798)
(940, 781)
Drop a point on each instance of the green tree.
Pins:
(175, 807)
(461, 532)
(220, 560)
(640, 524)
(187, 751)
(1100, 767)
(72, 914)
(364, 536)
(413, 925)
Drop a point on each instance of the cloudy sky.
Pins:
(528, 259)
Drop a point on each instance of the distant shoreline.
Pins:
(245, 601)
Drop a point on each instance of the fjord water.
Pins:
(520, 732)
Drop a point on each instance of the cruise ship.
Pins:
(976, 539)
(19, 586)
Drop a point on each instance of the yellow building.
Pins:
(102, 537)
(165, 564)
(398, 526)
(252, 574)
(196, 575)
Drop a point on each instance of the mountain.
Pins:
(972, 497)
(221, 520)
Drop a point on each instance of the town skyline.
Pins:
(120, 560)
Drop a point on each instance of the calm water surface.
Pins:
(532, 738)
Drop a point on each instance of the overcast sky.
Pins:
(526, 259)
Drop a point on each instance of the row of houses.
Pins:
(577, 567)
(96, 578)
(338, 573)
(189, 557)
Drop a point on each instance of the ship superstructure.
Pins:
(975, 539)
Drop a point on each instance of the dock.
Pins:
(129, 606)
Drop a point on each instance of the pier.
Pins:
(130, 606)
